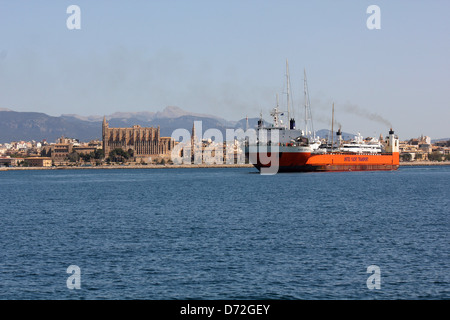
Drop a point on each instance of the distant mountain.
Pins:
(16, 126)
(324, 133)
(168, 112)
(175, 112)
(438, 140)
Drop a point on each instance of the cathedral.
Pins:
(145, 142)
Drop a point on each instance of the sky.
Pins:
(228, 58)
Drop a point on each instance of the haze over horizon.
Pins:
(227, 58)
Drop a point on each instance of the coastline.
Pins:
(191, 166)
(425, 163)
(167, 166)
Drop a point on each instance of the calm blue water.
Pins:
(225, 234)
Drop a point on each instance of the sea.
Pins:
(224, 234)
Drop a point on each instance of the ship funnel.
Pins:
(292, 124)
(339, 136)
(260, 123)
(391, 131)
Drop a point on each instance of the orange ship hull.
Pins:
(305, 162)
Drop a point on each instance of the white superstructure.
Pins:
(358, 145)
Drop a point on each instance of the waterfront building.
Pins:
(39, 161)
(59, 151)
(144, 142)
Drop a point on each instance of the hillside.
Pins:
(16, 126)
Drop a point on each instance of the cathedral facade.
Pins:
(145, 142)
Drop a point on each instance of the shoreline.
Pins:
(187, 166)
(425, 163)
(167, 166)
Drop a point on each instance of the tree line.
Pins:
(98, 154)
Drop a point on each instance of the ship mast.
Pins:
(288, 91)
(308, 114)
(305, 88)
(275, 113)
(332, 129)
(277, 101)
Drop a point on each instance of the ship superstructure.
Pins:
(285, 148)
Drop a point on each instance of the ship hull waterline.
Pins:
(310, 162)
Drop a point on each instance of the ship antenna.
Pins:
(288, 90)
(332, 132)
(277, 111)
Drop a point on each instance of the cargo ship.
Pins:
(300, 156)
(284, 148)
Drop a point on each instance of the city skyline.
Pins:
(228, 59)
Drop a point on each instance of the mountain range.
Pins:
(18, 126)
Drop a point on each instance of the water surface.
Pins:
(225, 234)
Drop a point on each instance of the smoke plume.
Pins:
(354, 109)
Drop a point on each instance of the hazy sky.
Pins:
(227, 58)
